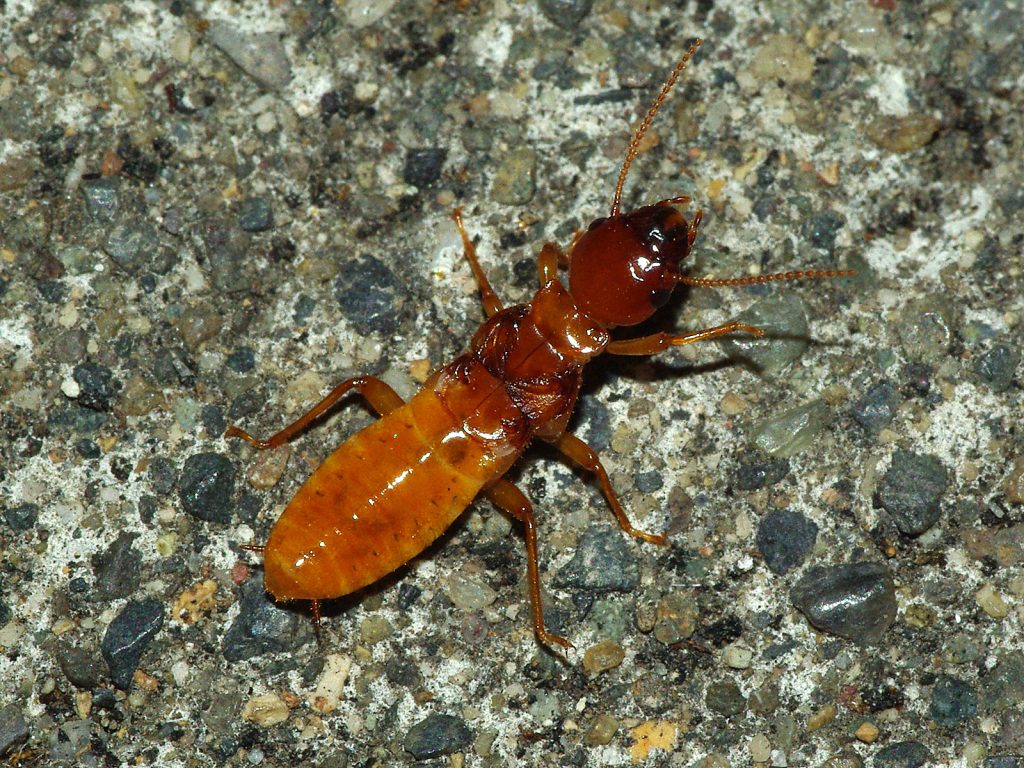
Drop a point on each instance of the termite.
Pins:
(393, 488)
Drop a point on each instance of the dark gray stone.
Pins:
(102, 198)
(725, 698)
(423, 166)
(206, 485)
(261, 627)
(903, 754)
(566, 13)
(760, 471)
(118, 569)
(13, 728)
(821, 229)
(226, 249)
(96, 386)
(855, 601)
(127, 637)
(133, 245)
(21, 517)
(785, 538)
(998, 366)
(911, 490)
(877, 408)
(369, 295)
(953, 701)
(602, 562)
(255, 214)
(436, 736)
(82, 668)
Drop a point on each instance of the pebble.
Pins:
(737, 657)
(925, 329)
(206, 485)
(83, 668)
(757, 471)
(1013, 484)
(903, 754)
(436, 736)
(261, 627)
(953, 701)
(725, 698)
(911, 491)
(96, 386)
(602, 657)
(997, 367)
(13, 728)
(127, 637)
(903, 134)
(15, 173)
(877, 408)
(423, 166)
(260, 55)
(566, 13)
(369, 295)
(133, 245)
(102, 198)
(784, 539)
(822, 717)
(266, 710)
(792, 431)
(255, 214)
(602, 730)
(845, 759)
(118, 569)
(601, 562)
(855, 601)
(784, 319)
(21, 517)
(468, 592)
(991, 602)
(760, 748)
(785, 58)
(866, 733)
(514, 179)
(821, 229)
(327, 694)
(675, 618)
(227, 250)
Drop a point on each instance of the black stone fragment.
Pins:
(102, 198)
(602, 562)
(133, 245)
(856, 601)
(13, 728)
(903, 754)
(877, 408)
(437, 735)
(565, 13)
(206, 485)
(261, 627)
(997, 366)
(255, 214)
(911, 490)
(118, 569)
(127, 637)
(96, 386)
(82, 668)
(423, 166)
(21, 517)
(368, 294)
(785, 538)
(725, 698)
(760, 471)
(821, 229)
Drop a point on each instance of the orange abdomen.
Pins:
(391, 489)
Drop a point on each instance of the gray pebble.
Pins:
(133, 245)
(792, 431)
(13, 728)
(437, 735)
(1004, 685)
(911, 490)
(206, 484)
(127, 637)
(226, 249)
(784, 320)
(370, 296)
(845, 759)
(255, 214)
(21, 517)
(96, 385)
(261, 627)
(903, 754)
(998, 366)
(877, 408)
(260, 55)
(423, 166)
(565, 13)
(953, 701)
(1003, 761)
(856, 601)
(785, 538)
(821, 229)
(118, 569)
(925, 329)
(102, 198)
(725, 698)
(602, 562)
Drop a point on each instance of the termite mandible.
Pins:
(393, 488)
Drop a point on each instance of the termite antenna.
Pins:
(634, 145)
(808, 274)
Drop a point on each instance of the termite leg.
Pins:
(382, 397)
(657, 342)
(507, 497)
(492, 304)
(257, 548)
(577, 450)
(547, 263)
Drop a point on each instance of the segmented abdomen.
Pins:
(391, 489)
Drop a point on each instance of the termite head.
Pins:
(624, 267)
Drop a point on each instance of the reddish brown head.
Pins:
(624, 267)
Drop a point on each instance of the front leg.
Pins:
(658, 342)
